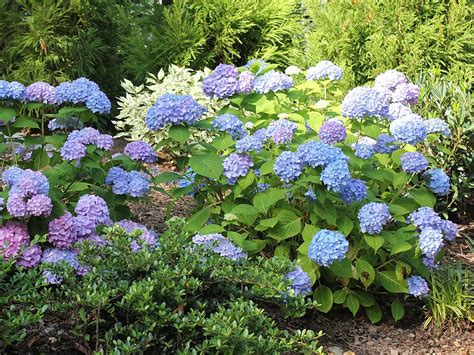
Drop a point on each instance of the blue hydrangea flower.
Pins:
(437, 125)
(141, 151)
(72, 150)
(409, 129)
(236, 165)
(91, 211)
(105, 142)
(148, 237)
(287, 166)
(324, 70)
(430, 241)
(417, 286)
(138, 183)
(437, 181)
(281, 131)
(99, 103)
(390, 79)
(327, 246)
(252, 143)
(300, 281)
(354, 190)
(272, 81)
(372, 217)
(425, 217)
(449, 229)
(25, 181)
(332, 131)
(315, 153)
(396, 110)
(336, 175)
(385, 144)
(363, 101)
(246, 82)
(231, 124)
(220, 245)
(310, 194)
(12, 90)
(406, 94)
(173, 109)
(41, 92)
(413, 162)
(364, 148)
(83, 91)
(223, 82)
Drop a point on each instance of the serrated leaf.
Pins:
(400, 247)
(165, 177)
(345, 225)
(25, 122)
(198, 219)
(309, 231)
(179, 133)
(212, 228)
(323, 295)
(423, 197)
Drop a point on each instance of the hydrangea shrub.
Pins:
(336, 181)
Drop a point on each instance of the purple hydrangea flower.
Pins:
(173, 109)
(16, 205)
(91, 211)
(87, 135)
(300, 281)
(73, 150)
(223, 82)
(417, 286)
(25, 182)
(230, 124)
(413, 162)
(41, 92)
(281, 131)
(315, 153)
(138, 183)
(55, 255)
(30, 257)
(437, 181)
(363, 101)
(149, 237)
(409, 129)
(272, 81)
(327, 247)
(332, 131)
(63, 231)
(437, 125)
(372, 217)
(390, 79)
(236, 165)
(336, 175)
(449, 229)
(13, 237)
(385, 144)
(430, 241)
(364, 148)
(406, 93)
(99, 103)
(354, 190)
(141, 151)
(396, 110)
(288, 166)
(252, 143)
(104, 141)
(246, 82)
(220, 245)
(51, 278)
(39, 205)
(324, 70)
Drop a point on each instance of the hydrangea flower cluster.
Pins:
(385, 144)
(63, 231)
(438, 181)
(409, 129)
(413, 162)
(133, 183)
(30, 257)
(406, 94)
(354, 190)
(332, 131)
(246, 82)
(281, 131)
(41, 92)
(364, 101)
(315, 153)
(327, 247)
(235, 166)
(417, 286)
(83, 91)
(220, 245)
(288, 166)
(292, 70)
(75, 146)
(437, 125)
(148, 238)
(231, 124)
(173, 109)
(336, 175)
(324, 70)
(300, 281)
(396, 110)
(390, 79)
(141, 151)
(13, 238)
(12, 90)
(223, 82)
(91, 211)
(249, 143)
(272, 81)
(372, 217)
(68, 123)
(365, 148)
(54, 256)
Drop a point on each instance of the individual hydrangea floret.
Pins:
(220, 245)
(324, 70)
(292, 70)
(149, 237)
(30, 257)
(336, 175)
(272, 81)
(437, 125)
(231, 124)
(300, 281)
(41, 92)
(363, 101)
(315, 153)
(332, 131)
(372, 217)
(281, 131)
(236, 165)
(13, 237)
(397, 110)
(413, 162)
(425, 217)
(327, 247)
(390, 79)
(141, 151)
(417, 286)
(251, 143)
(364, 148)
(173, 109)
(406, 94)
(223, 82)
(409, 129)
(354, 190)
(63, 231)
(288, 166)
(430, 241)
(385, 144)
(91, 212)
(437, 181)
(246, 82)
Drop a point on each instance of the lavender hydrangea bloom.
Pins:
(315, 153)
(25, 181)
(437, 181)
(39, 205)
(396, 110)
(409, 129)
(449, 229)
(417, 286)
(288, 166)
(425, 217)
(55, 255)
(236, 165)
(363, 101)
(364, 148)
(390, 79)
(272, 81)
(354, 190)
(385, 144)
(149, 237)
(281, 131)
(332, 131)
(115, 174)
(91, 211)
(413, 162)
(30, 257)
(324, 70)
(87, 135)
(141, 151)
(327, 247)
(62, 231)
(173, 109)
(104, 141)
(437, 125)
(336, 175)
(231, 124)
(300, 281)
(372, 217)
(406, 93)
(11, 175)
(16, 205)
(220, 245)
(246, 82)
(73, 150)
(51, 278)
(223, 82)
(41, 92)
(430, 241)
(13, 237)
(2, 203)
(247, 144)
